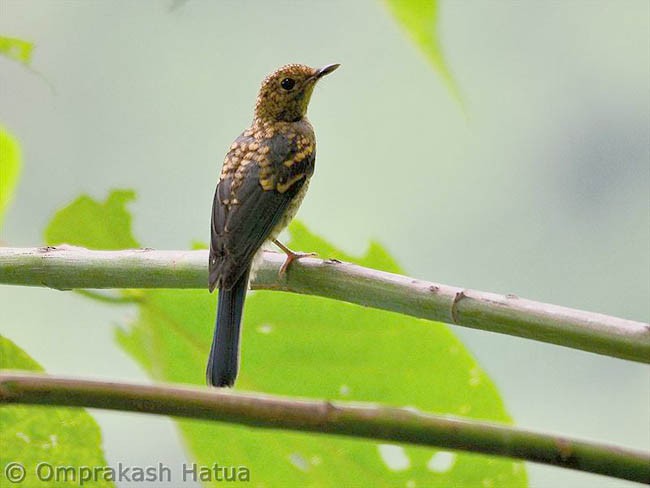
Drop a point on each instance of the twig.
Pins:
(358, 420)
(66, 267)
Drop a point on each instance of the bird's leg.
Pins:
(291, 256)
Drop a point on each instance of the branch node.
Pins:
(454, 305)
(54, 287)
(564, 448)
(329, 411)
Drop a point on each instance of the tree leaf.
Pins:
(10, 165)
(56, 436)
(419, 18)
(319, 348)
(95, 225)
(16, 49)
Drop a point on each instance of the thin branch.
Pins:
(354, 420)
(66, 267)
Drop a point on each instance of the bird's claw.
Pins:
(293, 256)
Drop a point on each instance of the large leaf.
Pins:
(419, 18)
(93, 224)
(10, 163)
(319, 348)
(55, 436)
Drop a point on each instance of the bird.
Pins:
(263, 180)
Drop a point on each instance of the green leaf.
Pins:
(419, 18)
(56, 436)
(10, 164)
(16, 49)
(313, 347)
(95, 225)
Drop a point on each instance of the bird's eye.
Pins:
(288, 83)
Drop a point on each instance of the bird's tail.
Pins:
(224, 361)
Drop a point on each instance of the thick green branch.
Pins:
(358, 420)
(67, 267)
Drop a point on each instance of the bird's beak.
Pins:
(325, 70)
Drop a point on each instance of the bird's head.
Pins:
(285, 93)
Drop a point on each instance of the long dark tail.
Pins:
(224, 354)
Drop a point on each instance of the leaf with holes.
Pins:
(317, 348)
(55, 436)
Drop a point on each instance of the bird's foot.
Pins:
(291, 256)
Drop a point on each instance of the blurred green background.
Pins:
(542, 189)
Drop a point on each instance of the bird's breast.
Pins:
(291, 210)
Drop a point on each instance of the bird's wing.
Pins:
(258, 182)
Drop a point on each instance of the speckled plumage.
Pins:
(264, 178)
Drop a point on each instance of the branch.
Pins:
(66, 267)
(358, 420)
